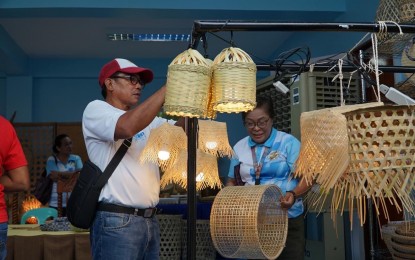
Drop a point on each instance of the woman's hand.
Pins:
(287, 201)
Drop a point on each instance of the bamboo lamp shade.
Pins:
(382, 154)
(207, 174)
(187, 87)
(234, 79)
(213, 138)
(247, 222)
(167, 139)
(324, 153)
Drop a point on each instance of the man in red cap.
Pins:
(124, 226)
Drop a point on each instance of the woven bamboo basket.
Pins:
(188, 82)
(204, 245)
(247, 222)
(407, 10)
(391, 43)
(170, 236)
(382, 150)
(234, 78)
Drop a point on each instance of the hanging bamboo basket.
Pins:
(247, 222)
(234, 79)
(382, 154)
(188, 82)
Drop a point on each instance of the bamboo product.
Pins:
(207, 174)
(188, 82)
(163, 146)
(382, 155)
(248, 222)
(234, 79)
(213, 138)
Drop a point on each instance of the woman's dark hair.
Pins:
(58, 142)
(265, 103)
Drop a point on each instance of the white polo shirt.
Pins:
(132, 184)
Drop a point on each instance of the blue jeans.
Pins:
(124, 236)
(3, 240)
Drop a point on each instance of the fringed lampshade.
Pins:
(234, 79)
(206, 171)
(213, 138)
(188, 82)
(163, 145)
(324, 157)
(382, 156)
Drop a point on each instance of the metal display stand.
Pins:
(200, 28)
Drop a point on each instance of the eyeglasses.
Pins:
(134, 79)
(260, 124)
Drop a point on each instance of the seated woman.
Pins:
(62, 164)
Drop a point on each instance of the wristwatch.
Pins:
(293, 193)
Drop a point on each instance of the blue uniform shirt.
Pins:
(278, 164)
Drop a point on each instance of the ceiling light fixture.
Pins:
(149, 37)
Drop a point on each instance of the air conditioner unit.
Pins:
(309, 91)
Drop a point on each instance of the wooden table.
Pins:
(29, 242)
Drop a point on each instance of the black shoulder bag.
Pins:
(83, 202)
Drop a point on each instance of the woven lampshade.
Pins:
(407, 10)
(234, 79)
(188, 82)
(324, 156)
(392, 10)
(248, 222)
(163, 145)
(382, 155)
(207, 174)
(324, 144)
(213, 138)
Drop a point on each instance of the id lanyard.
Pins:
(258, 166)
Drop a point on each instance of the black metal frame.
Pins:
(201, 27)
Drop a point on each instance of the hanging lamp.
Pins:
(163, 145)
(234, 79)
(188, 82)
(207, 175)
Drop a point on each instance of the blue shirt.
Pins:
(277, 167)
(74, 163)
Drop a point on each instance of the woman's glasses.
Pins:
(260, 124)
(134, 79)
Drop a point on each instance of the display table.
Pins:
(29, 242)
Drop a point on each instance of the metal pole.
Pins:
(191, 187)
(346, 68)
(229, 25)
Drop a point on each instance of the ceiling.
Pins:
(69, 32)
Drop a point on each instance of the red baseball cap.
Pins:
(126, 66)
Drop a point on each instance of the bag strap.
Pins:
(114, 163)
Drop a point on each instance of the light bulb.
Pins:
(211, 145)
(163, 155)
(200, 177)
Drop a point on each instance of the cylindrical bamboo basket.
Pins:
(248, 222)
(234, 79)
(188, 82)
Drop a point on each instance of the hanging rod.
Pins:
(200, 27)
(223, 25)
(346, 68)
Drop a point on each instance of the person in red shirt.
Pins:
(14, 174)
